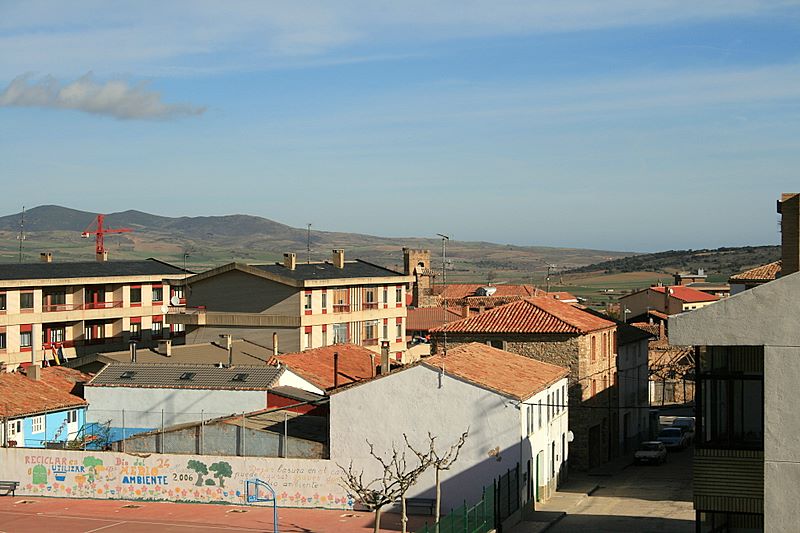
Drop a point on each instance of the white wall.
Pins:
(420, 400)
(143, 405)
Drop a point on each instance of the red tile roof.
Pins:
(20, 395)
(563, 296)
(316, 365)
(761, 273)
(510, 374)
(457, 291)
(532, 315)
(425, 318)
(687, 294)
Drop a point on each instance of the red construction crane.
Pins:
(101, 254)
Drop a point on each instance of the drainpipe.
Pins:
(335, 370)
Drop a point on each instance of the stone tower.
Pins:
(417, 263)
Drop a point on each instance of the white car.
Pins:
(687, 424)
(651, 452)
(673, 438)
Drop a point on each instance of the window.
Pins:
(540, 414)
(324, 337)
(605, 345)
(307, 340)
(564, 395)
(157, 329)
(14, 427)
(158, 294)
(136, 330)
(128, 374)
(37, 424)
(178, 293)
(72, 416)
(178, 329)
(26, 300)
(324, 300)
(386, 331)
(340, 333)
(497, 344)
(370, 298)
(558, 402)
(594, 387)
(549, 408)
(53, 335)
(731, 384)
(2, 301)
(2, 341)
(25, 339)
(529, 410)
(593, 349)
(341, 301)
(399, 330)
(398, 295)
(307, 306)
(386, 295)
(371, 332)
(136, 295)
(187, 376)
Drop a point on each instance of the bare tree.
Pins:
(391, 484)
(439, 462)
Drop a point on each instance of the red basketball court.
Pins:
(34, 515)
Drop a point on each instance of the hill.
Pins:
(213, 240)
(718, 263)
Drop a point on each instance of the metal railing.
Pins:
(477, 518)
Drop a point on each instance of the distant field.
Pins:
(599, 289)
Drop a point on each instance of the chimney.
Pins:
(35, 372)
(789, 208)
(165, 347)
(228, 346)
(338, 258)
(372, 363)
(464, 311)
(275, 343)
(290, 261)
(661, 331)
(335, 369)
(46, 257)
(384, 358)
(133, 351)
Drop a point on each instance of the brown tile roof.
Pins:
(457, 291)
(532, 315)
(761, 273)
(510, 374)
(316, 365)
(425, 318)
(687, 294)
(20, 395)
(563, 296)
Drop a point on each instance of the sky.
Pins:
(619, 125)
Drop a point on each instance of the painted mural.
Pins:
(109, 475)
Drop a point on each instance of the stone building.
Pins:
(548, 330)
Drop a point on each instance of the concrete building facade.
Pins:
(51, 310)
(298, 305)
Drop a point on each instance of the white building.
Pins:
(514, 407)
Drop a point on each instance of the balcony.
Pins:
(61, 307)
(369, 342)
(369, 305)
(102, 305)
(341, 308)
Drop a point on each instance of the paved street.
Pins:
(639, 498)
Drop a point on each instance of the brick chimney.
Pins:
(338, 258)
(789, 208)
(465, 310)
(46, 257)
(290, 261)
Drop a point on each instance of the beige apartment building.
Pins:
(51, 311)
(293, 306)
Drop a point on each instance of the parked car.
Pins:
(651, 452)
(674, 438)
(687, 424)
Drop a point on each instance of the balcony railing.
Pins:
(341, 308)
(370, 305)
(102, 305)
(369, 342)
(61, 307)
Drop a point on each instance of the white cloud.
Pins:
(113, 98)
(155, 37)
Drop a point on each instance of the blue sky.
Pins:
(621, 125)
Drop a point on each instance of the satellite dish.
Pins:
(175, 300)
(164, 309)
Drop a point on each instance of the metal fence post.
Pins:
(466, 518)
(244, 437)
(123, 430)
(162, 431)
(202, 431)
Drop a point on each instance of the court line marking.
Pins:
(195, 526)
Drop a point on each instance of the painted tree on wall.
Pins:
(200, 468)
(221, 469)
(91, 464)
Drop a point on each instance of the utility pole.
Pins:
(21, 236)
(445, 238)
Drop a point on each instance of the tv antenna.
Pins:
(21, 236)
(308, 243)
(445, 238)
(547, 279)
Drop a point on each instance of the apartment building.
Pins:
(551, 331)
(293, 306)
(51, 311)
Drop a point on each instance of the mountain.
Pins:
(719, 263)
(215, 240)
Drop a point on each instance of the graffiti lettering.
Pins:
(145, 480)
